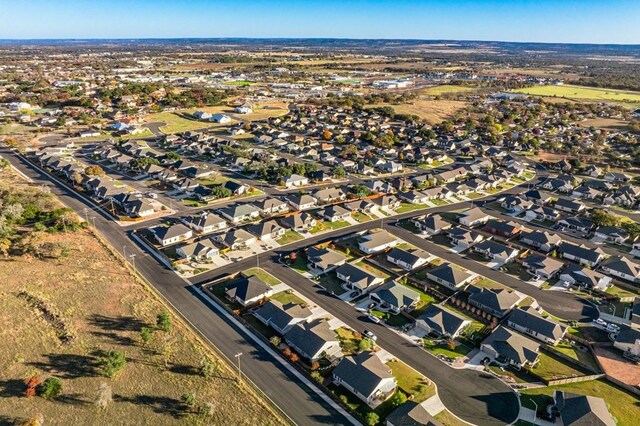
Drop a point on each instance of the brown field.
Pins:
(102, 306)
(611, 124)
(433, 111)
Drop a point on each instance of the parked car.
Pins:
(373, 318)
(601, 322)
(153, 195)
(370, 335)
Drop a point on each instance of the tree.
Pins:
(207, 367)
(163, 321)
(189, 399)
(51, 388)
(398, 399)
(145, 334)
(294, 357)
(364, 345)
(94, 170)
(339, 172)
(37, 420)
(316, 376)
(219, 191)
(275, 341)
(112, 362)
(104, 396)
(603, 218)
(326, 134)
(371, 418)
(32, 383)
(173, 156)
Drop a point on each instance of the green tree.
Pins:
(398, 399)
(364, 345)
(94, 170)
(173, 156)
(145, 334)
(603, 218)
(112, 362)
(51, 388)
(189, 399)
(339, 172)
(371, 419)
(207, 367)
(163, 321)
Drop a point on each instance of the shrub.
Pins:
(163, 321)
(51, 388)
(112, 362)
(32, 383)
(275, 341)
(371, 418)
(189, 399)
(145, 334)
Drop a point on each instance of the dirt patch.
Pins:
(617, 366)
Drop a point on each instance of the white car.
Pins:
(613, 328)
(601, 322)
(370, 335)
(153, 195)
(374, 318)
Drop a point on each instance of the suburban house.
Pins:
(621, 267)
(365, 376)
(474, 216)
(542, 213)
(299, 222)
(323, 260)
(433, 224)
(575, 409)
(628, 340)
(541, 240)
(167, 235)
(449, 276)
(497, 302)
(139, 208)
(357, 278)
(248, 291)
(581, 253)
(616, 177)
(302, 202)
(313, 340)
(364, 206)
(537, 197)
(582, 277)
(334, 213)
(463, 238)
(200, 250)
(611, 234)
(528, 321)
(439, 320)
(267, 230)
(495, 251)
(510, 347)
(205, 222)
(411, 413)
(569, 206)
(235, 239)
(578, 223)
(542, 266)
(240, 213)
(281, 317)
(388, 202)
(515, 204)
(294, 181)
(376, 242)
(502, 228)
(329, 195)
(271, 206)
(395, 297)
(407, 259)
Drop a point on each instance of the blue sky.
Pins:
(579, 21)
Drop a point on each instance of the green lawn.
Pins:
(474, 195)
(411, 382)
(175, 123)
(331, 283)
(285, 297)
(487, 283)
(300, 264)
(458, 351)
(208, 181)
(289, 237)
(372, 270)
(623, 405)
(361, 217)
(447, 419)
(263, 275)
(407, 207)
(581, 92)
(349, 340)
(329, 226)
(551, 367)
(439, 202)
(191, 202)
(583, 356)
(620, 292)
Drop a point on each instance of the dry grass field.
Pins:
(433, 111)
(59, 315)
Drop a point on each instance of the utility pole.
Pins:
(86, 217)
(238, 355)
(93, 219)
(133, 261)
(124, 251)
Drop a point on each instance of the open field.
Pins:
(610, 124)
(580, 92)
(433, 111)
(61, 313)
(445, 88)
(622, 404)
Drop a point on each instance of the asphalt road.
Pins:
(300, 403)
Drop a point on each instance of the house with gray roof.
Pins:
(240, 212)
(329, 195)
(464, 238)
(268, 230)
(528, 321)
(313, 340)
(281, 317)
(581, 253)
(270, 206)
(299, 222)
(444, 322)
(365, 376)
(171, 234)
(411, 413)
(474, 216)
(200, 250)
(432, 224)
(396, 297)
(375, 242)
(581, 410)
(248, 290)
(357, 278)
(334, 213)
(235, 239)
(205, 222)
(542, 266)
(497, 302)
(541, 240)
(449, 276)
(407, 259)
(302, 201)
(323, 260)
(496, 251)
(621, 267)
(582, 277)
(510, 347)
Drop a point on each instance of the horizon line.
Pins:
(121, 39)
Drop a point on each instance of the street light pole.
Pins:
(93, 219)
(614, 308)
(133, 261)
(238, 355)
(535, 412)
(124, 251)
